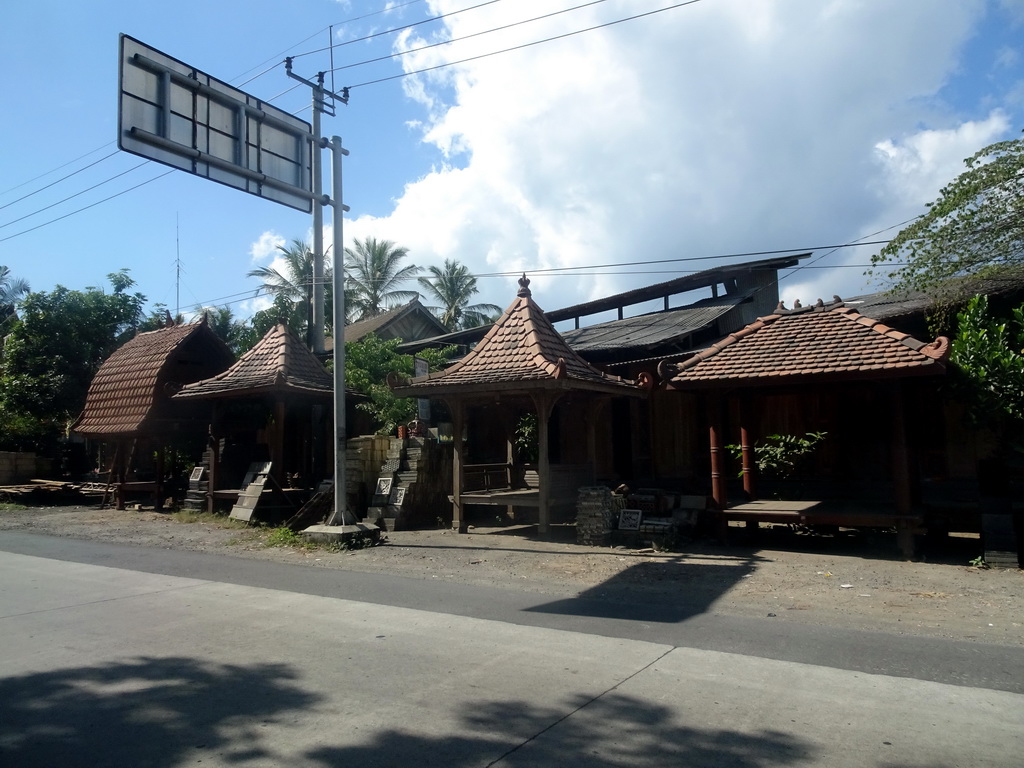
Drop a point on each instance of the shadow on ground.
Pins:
(145, 711)
(612, 730)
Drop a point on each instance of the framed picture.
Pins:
(383, 486)
(397, 496)
(629, 519)
(197, 474)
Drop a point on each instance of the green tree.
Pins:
(452, 287)
(373, 276)
(58, 343)
(12, 290)
(989, 357)
(293, 289)
(975, 227)
(367, 364)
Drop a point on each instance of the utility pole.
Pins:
(340, 515)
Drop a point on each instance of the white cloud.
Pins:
(710, 129)
(264, 249)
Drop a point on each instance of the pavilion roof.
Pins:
(522, 351)
(127, 392)
(279, 363)
(825, 341)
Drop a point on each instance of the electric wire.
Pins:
(71, 197)
(391, 31)
(522, 46)
(87, 207)
(451, 40)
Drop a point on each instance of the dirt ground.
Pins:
(850, 581)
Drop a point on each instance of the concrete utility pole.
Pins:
(340, 515)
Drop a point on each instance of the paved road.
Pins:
(125, 656)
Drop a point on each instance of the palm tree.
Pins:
(373, 277)
(295, 286)
(12, 290)
(452, 287)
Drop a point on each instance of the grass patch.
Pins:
(286, 537)
(194, 516)
(10, 506)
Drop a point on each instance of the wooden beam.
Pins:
(458, 411)
(719, 491)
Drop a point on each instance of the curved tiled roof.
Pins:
(823, 340)
(522, 350)
(278, 363)
(138, 377)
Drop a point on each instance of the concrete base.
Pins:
(339, 534)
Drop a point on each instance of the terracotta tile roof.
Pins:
(523, 350)
(424, 320)
(280, 362)
(126, 395)
(821, 341)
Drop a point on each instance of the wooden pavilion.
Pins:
(129, 402)
(268, 406)
(821, 368)
(521, 365)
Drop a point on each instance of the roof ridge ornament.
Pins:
(524, 287)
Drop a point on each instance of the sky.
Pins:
(595, 146)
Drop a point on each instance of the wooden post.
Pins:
(747, 448)
(545, 403)
(719, 492)
(458, 412)
(901, 473)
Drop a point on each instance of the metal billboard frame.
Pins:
(177, 115)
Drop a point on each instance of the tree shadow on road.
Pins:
(612, 730)
(145, 711)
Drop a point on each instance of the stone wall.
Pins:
(18, 467)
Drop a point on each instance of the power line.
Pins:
(396, 29)
(54, 170)
(87, 207)
(71, 197)
(524, 45)
(451, 40)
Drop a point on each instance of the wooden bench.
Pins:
(823, 513)
(493, 485)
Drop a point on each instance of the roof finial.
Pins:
(524, 286)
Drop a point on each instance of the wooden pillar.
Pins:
(158, 491)
(596, 411)
(276, 441)
(458, 411)
(901, 473)
(213, 445)
(545, 403)
(719, 492)
(747, 449)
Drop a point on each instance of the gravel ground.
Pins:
(854, 581)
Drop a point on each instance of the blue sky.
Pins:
(715, 128)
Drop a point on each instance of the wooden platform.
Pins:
(821, 512)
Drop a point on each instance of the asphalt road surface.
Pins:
(125, 656)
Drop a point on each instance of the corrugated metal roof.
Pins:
(651, 330)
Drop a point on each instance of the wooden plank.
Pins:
(252, 488)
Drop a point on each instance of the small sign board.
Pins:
(397, 497)
(197, 474)
(629, 519)
(174, 114)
